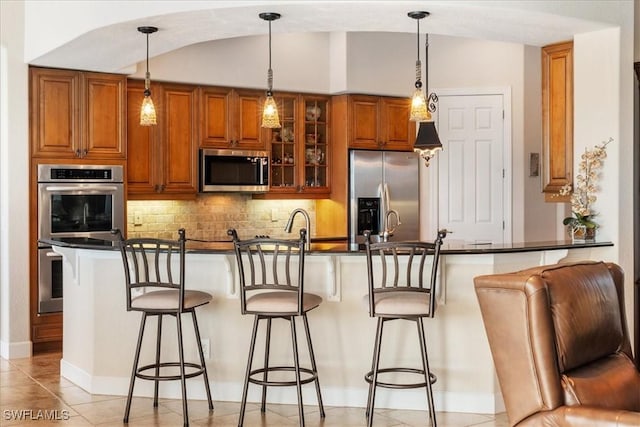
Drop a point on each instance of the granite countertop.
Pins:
(339, 245)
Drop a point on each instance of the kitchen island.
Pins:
(99, 335)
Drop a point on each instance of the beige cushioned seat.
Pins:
(281, 302)
(168, 300)
(401, 303)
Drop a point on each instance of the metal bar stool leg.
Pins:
(376, 366)
(136, 359)
(427, 372)
(202, 361)
(313, 364)
(267, 346)
(156, 384)
(183, 380)
(246, 378)
(373, 364)
(296, 361)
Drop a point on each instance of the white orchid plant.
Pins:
(584, 194)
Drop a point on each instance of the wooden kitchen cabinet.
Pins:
(380, 123)
(230, 118)
(77, 115)
(557, 119)
(162, 159)
(301, 148)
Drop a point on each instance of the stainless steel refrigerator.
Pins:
(380, 181)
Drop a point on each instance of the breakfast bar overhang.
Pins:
(100, 335)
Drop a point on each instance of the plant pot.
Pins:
(582, 234)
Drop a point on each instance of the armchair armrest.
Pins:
(582, 416)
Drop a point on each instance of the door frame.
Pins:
(507, 183)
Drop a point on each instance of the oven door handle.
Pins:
(91, 187)
(53, 254)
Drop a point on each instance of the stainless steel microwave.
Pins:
(234, 171)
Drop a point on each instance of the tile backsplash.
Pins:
(210, 215)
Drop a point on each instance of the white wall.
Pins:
(51, 24)
(637, 31)
(382, 63)
(603, 108)
(15, 340)
(300, 62)
(596, 102)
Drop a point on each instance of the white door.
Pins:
(471, 168)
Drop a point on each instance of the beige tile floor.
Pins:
(34, 384)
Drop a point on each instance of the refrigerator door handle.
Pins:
(383, 201)
(387, 199)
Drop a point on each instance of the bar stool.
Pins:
(154, 272)
(271, 275)
(400, 288)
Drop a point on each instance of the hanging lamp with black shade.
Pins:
(147, 109)
(427, 142)
(270, 117)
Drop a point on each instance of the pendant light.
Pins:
(270, 118)
(147, 110)
(427, 142)
(419, 111)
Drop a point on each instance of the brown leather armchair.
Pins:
(560, 345)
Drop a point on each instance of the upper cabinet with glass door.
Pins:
(283, 147)
(316, 145)
(300, 148)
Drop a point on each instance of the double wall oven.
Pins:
(76, 204)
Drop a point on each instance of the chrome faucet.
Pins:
(307, 221)
(386, 230)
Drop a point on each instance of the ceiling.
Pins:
(118, 47)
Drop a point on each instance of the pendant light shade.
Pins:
(427, 142)
(419, 110)
(270, 117)
(147, 109)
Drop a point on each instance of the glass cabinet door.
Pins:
(316, 143)
(300, 148)
(283, 145)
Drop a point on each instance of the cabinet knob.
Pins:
(78, 153)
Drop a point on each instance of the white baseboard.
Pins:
(414, 399)
(15, 350)
(76, 375)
